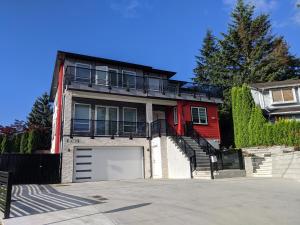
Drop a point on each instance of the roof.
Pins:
(285, 110)
(276, 84)
(62, 55)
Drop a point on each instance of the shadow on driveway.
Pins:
(34, 199)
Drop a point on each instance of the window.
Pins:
(106, 120)
(82, 72)
(154, 84)
(129, 79)
(284, 95)
(106, 76)
(199, 115)
(81, 120)
(175, 116)
(130, 119)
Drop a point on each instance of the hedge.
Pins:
(252, 129)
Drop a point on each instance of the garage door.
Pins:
(108, 163)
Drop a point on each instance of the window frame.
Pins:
(90, 116)
(175, 115)
(129, 121)
(107, 107)
(206, 117)
(281, 90)
(84, 64)
(117, 71)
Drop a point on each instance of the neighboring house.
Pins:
(278, 99)
(117, 120)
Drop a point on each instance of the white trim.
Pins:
(129, 121)
(90, 116)
(199, 107)
(77, 64)
(175, 121)
(131, 73)
(107, 107)
(283, 102)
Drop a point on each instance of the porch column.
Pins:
(149, 115)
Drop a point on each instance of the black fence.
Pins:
(230, 159)
(32, 168)
(5, 193)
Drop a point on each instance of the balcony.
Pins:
(108, 128)
(126, 83)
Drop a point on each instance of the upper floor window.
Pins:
(175, 115)
(154, 83)
(284, 95)
(82, 72)
(129, 79)
(199, 115)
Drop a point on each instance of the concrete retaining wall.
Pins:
(284, 162)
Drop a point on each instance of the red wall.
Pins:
(211, 130)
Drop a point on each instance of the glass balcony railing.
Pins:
(129, 81)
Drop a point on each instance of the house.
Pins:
(118, 120)
(278, 99)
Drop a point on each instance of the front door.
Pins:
(106, 120)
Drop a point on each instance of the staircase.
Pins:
(262, 166)
(202, 161)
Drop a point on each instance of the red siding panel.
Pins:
(211, 130)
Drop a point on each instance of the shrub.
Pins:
(252, 129)
(24, 143)
(33, 141)
(5, 145)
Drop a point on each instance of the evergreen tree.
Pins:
(33, 141)
(256, 127)
(17, 142)
(5, 145)
(24, 143)
(206, 63)
(247, 53)
(41, 113)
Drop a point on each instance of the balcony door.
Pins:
(107, 120)
(130, 120)
(106, 76)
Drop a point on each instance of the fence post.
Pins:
(8, 196)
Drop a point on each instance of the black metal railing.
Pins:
(5, 193)
(230, 159)
(202, 142)
(94, 128)
(128, 81)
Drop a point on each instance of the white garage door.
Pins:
(108, 163)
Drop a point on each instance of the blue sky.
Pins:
(164, 34)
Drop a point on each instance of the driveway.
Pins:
(243, 201)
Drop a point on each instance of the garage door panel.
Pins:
(109, 163)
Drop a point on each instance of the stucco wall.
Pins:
(178, 163)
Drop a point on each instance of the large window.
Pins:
(130, 119)
(175, 115)
(154, 83)
(284, 95)
(129, 79)
(106, 76)
(199, 115)
(82, 72)
(81, 121)
(106, 120)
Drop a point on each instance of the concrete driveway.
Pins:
(244, 201)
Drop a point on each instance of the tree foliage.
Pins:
(247, 52)
(5, 144)
(33, 141)
(24, 143)
(252, 129)
(41, 113)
